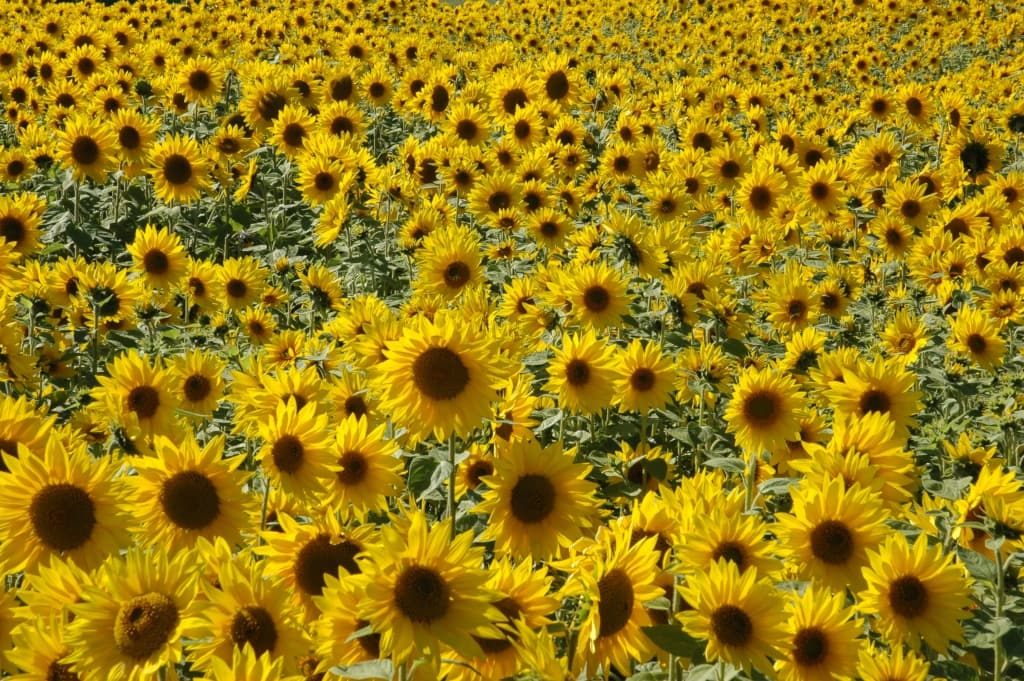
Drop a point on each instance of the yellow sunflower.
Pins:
(975, 335)
(895, 664)
(179, 168)
(440, 378)
(129, 625)
(21, 425)
(159, 256)
(765, 409)
(62, 503)
(449, 262)
(645, 378)
(198, 494)
(138, 395)
(538, 500)
(821, 640)
(830, 529)
(582, 373)
(87, 146)
(740, 616)
(245, 610)
(20, 217)
(883, 386)
(599, 295)
(200, 381)
(366, 470)
(424, 589)
(915, 592)
(621, 579)
(40, 651)
(296, 451)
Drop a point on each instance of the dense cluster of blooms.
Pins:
(544, 340)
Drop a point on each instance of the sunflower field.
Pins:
(554, 340)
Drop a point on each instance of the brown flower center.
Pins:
(144, 624)
(810, 647)
(85, 151)
(615, 601)
(255, 626)
(177, 169)
(440, 374)
(577, 372)
(732, 626)
(456, 275)
(422, 595)
(319, 558)
(532, 498)
(761, 408)
(875, 401)
(197, 387)
(642, 379)
(63, 516)
(732, 552)
(597, 299)
(190, 500)
(908, 597)
(144, 400)
(832, 542)
(156, 262)
(353, 468)
(287, 454)
(976, 343)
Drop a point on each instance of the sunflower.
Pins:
(884, 386)
(741, 617)
(975, 335)
(40, 651)
(821, 640)
(291, 128)
(538, 499)
(320, 179)
(200, 381)
(904, 336)
(201, 80)
(336, 642)
(764, 410)
(247, 665)
(761, 190)
(159, 256)
(467, 123)
(915, 592)
(200, 494)
(87, 146)
(895, 664)
(424, 589)
(245, 610)
(129, 625)
(263, 100)
(59, 503)
(975, 153)
(599, 295)
(645, 378)
(492, 194)
(21, 425)
(621, 578)
(449, 262)
(724, 535)
(138, 394)
(582, 373)
(366, 471)
(304, 556)
(524, 600)
(830, 529)
(179, 168)
(20, 217)
(135, 134)
(440, 378)
(296, 451)
(242, 281)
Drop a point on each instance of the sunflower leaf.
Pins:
(979, 566)
(372, 669)
(673, 640)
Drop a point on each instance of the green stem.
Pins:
(997, 652)
(451, 483)
(263, 511)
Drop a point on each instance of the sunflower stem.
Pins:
(263, 511)
(997, 651)
(451, 484)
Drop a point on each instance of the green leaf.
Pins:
(734, 347)
(978, 565)
(421, 468)
(656, 468)
(372, 669)
(673, 640)
(728, 464)
(947, 489)
(776, 486)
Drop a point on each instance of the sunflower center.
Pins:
(499, 200)
(177, 169)
(976, 343)
(730, 169)
(615, 604)
(190, 500)
(974, 158)
(270, 105)
(12, 229)
(557, 85)
(85, 151)
(293, 134)
(199, 81)
(820, 191)
(761, 408)
(761, 198)
(910, 209)
(732, 626)
(596, 299)
(197, 287)
(456, 274)
(237, 288)
(513, 99)
(254, 625)
(60, 672)
(908, 597)
(732, 552)
(228, 145)
(287, 454)
(129, 138)
(875, 401)
(832, 542)
(481, 468)
(144, 624)
(439, 98)
(422, 594)
(533, 498)
(642, 379)
(63, 516)
(144, 400)
(355, 405)
(810, 647)
(156, 262)
(353, 468)
(197, 388)
(319, 558)
(796, 309)
(577, 372)
(440, 374)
